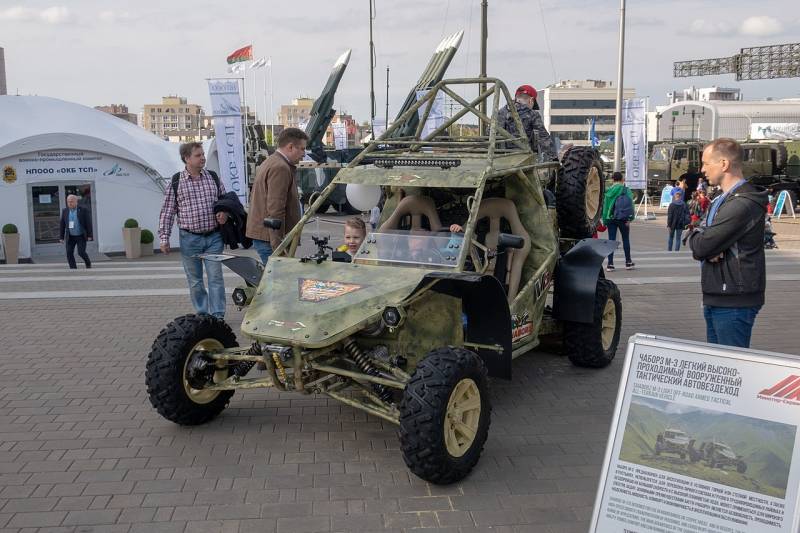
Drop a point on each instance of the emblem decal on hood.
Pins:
(317, 290)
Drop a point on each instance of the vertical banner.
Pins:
(378, 127)
(704, 440)
(339, 135)
(228, 131)
(634, 138)
(436, 116)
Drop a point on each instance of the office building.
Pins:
(569, 106)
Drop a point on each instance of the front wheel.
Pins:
(595, 345)
(176, 369)
(444, 415)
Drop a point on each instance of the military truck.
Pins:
(674, 441)
(719, 455)
(412, 328)
(765, 164)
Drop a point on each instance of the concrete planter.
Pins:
(133, 247)
(11, 248)
(147, 249)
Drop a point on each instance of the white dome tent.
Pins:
(50, 148)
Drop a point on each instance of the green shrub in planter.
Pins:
(9, 229)
(131, 223)
(147, 237)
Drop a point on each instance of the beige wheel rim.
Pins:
(592, 193)
(609, 324)
(200, 396)
(462, 417)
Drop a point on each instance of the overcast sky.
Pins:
(98, 52)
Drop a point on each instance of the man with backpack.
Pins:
(617, 215)
(677, 219)
(191, 197)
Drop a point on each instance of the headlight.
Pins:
(239, 297)
(392, 317)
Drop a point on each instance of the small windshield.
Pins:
(411, 248)
(661, 153)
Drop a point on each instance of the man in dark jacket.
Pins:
(677, 220)
(528, 110)
(75, 228)
(730, 244)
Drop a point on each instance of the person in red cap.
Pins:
(528, 109)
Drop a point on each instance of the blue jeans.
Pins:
(212, 302)
(264, 249)
(625, 233)
(730, 326)
(674, 236)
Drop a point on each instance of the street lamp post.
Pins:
(618, 125)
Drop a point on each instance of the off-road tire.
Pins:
(573, 196)
(423, 414)
(164, 376)
(741, 467)
(584, 343)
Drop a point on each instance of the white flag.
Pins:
(225, 107)
(634, 138)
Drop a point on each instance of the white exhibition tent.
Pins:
(50, 147)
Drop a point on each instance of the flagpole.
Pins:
(620, 68)
(271, 103)
(255, 97)
(264, 86)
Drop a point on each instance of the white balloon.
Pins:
(363, 197)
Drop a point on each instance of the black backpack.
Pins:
(176, 178)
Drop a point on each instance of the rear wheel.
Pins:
(444, 415)
(579, 193)
(177, 370)
(595, 345)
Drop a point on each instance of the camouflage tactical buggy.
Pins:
(411, 329)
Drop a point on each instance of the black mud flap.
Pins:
(576, 279)
(485, 305)
(249, 268)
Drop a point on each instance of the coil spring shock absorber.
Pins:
(362, 361)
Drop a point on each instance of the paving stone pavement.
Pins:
(82, 450)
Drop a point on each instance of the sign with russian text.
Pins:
(227, 113)
(704, 439)
(634, 139)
